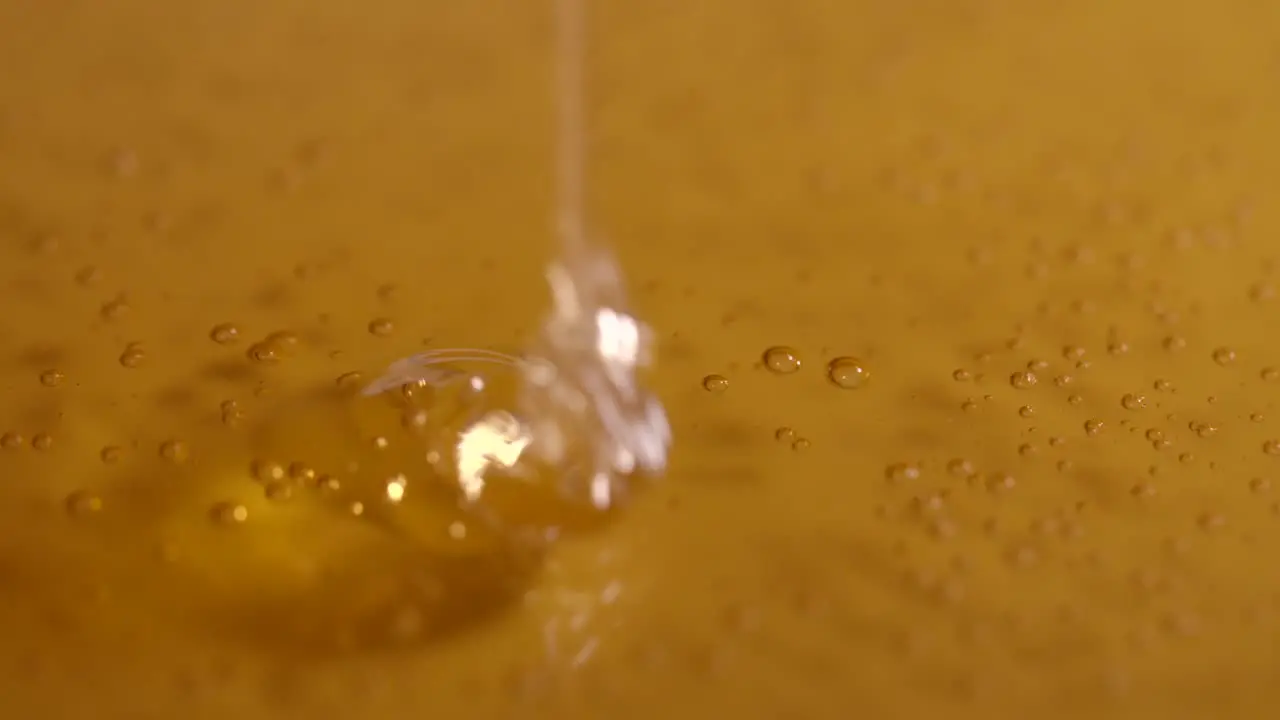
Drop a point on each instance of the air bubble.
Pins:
(781, 360)
(41, 441)
(1224, 356)
(381, 327)
(1023, 380)
(715, 383)
(111, 454)
(784, 434)
(175, 451)
(265, 352)
(1130, 401)
(848, 373)
(133, 356)
(224, 333)
(229, 513)
(265, 471)
(82, 502)
(278, 490)
(52, 378)
(961, 375)
(1270, 374)
(1271, 447)
(1093, 426)
(902, 472)
(11, 440)
(801, 444)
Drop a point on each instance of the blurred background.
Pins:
(963, 313)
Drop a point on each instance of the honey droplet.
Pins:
(848, 373)
(175, 451)
(381, 327)
(224, 333)
(715, 383)
(781, 360)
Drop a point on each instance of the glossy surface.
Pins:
(964, 311)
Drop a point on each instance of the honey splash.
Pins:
(1016, 457)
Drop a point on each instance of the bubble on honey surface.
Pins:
(111, 454)
(784, 434)
(848, 373)
(801, 444)
(381, 327)
(1224, 356)
(175, 451)
(224, 333)
(229, 513)
(52, 378)
(82, 502)
(1023, 380)
(11, 440)
(715, 383)
(133, 356)
(781, 360)
(1132, 401)
(265, 352)
(41, 441)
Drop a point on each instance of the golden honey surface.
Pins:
(963, 311)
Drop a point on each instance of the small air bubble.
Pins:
(175, 451)
(41, 441)
(229, 513)
(781, 360)
(1271, 447)
(1131, 401)
(52, 378)
(381, 327)
(11, 440)
(1224, 356)
(1093, 426)
(224, 333)
(111, 454)
(784, 434)
(133, 356)
(848, 373)
(801, 444)
(715, 383)
(902, 472)
(1023, 380)
(82, 502)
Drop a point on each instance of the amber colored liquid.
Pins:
(1042, 483)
